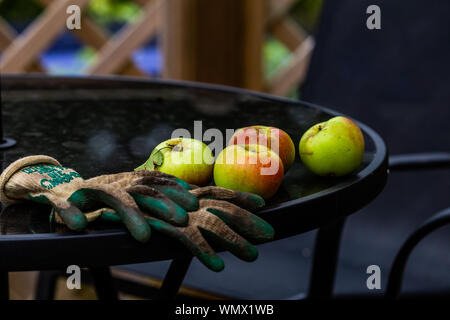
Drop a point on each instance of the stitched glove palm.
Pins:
(43, 179)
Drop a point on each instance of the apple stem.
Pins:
(141, 167)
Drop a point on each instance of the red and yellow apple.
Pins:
(332, 148)
(273, 138)
(249, 168)
(187, 159)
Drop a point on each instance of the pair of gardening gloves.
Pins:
(143, 201)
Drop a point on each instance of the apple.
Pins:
(249, 168)
(273, 138)
(187, 159)
(332, 148)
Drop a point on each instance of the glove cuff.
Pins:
(18, 165)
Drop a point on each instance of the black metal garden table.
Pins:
(106, 125)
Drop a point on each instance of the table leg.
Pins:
(325, 261)
(46, 285)
(103, 282)
(4, 286)
(174, 278)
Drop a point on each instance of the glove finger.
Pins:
(159, 174)
(110, 216)
(129, 178)
(72, 217)
(247, 200)
(160, 206)
(122, 177)
(172, 190)
(123, 204)
(243, 222)
(195, 242)
(215, 229)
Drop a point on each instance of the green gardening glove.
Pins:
(219, 219)
(43, 179)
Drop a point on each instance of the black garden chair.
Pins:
(398, 86)
(394, 285)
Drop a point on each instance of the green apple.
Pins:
(249, 168)
(273, 138)
(332, 148)
(187, 159)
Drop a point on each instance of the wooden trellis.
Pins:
(296, 40)
(21, 52)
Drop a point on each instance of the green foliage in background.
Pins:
(275, 55)
(104, 12)
(19, 10)
(307, 13)
(107, 12)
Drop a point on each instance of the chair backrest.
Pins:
(437, 221)
(395, 79)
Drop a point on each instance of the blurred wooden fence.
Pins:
(172, 21)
